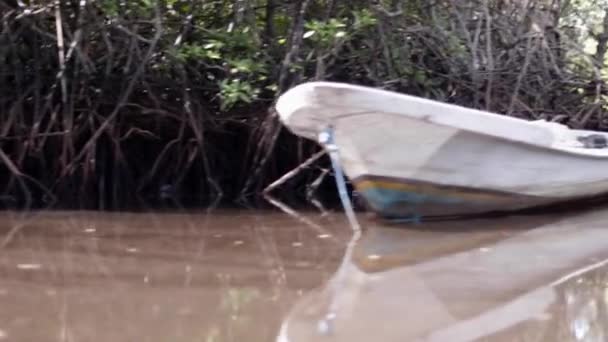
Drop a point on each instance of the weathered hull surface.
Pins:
(405, 198)
(465, 174)
(408, 156)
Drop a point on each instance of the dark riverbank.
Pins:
(108, 104)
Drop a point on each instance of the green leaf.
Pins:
(309, 34)
(419, 77)
(214, 55)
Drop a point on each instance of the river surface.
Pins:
(267, 276)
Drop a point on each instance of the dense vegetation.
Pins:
(107, 102)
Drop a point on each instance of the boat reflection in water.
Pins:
(526, 279)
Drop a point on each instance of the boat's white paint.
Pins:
(384, 133)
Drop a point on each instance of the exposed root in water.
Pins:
(296, 171)
(312, 189)
(293, 213)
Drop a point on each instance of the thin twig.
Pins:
(294, 171)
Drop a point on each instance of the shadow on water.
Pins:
(235, 275)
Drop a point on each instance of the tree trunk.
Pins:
(295, 41)
(602, 43)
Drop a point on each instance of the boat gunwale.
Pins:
(317, 103)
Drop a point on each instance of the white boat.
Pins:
(409, 156)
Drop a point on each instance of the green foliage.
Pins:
(195, 51)
(110, 7)
(325, 33)
(364, 19)
(224, 57)
(234, 91)
(246, 66)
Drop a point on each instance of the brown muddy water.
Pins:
(266, 276)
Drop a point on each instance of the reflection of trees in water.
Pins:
(235, 319)
(579, 313)
(582, 310)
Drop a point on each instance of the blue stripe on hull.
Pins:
(391, 202)
(406, 198)
(409, 206)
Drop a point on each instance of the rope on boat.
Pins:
(325, 325)
(327, 139)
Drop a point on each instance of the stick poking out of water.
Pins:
(294, 172)
(291, 212)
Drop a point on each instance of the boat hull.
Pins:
(396, 198)
(439, 171)
(413, 157)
